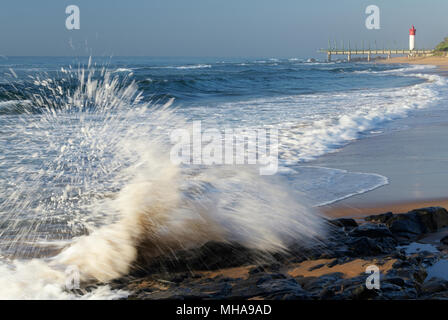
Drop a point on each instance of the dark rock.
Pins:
(267, 286)
(388, 286)
(402, 264)
(420, 275)
(394, 291)
(358, 292)
(364, 246)
(257, 270)
(267, 277)
(341, 252)
(212, 255)
(316, 267)
(400, 254)
(317, 284)
(179, 277)
(405, 225)
(434, 285)
(444, 240)
(371, 230)
(416, 222)
(438, 296)
(383, 218)
(433, 218)
(278, 289)
(396, 280)
(388, 244)
(344, 223)
(403, 273)
(333, 263)
(425, 258)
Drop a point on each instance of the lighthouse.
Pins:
(412, 38)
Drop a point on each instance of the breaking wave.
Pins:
(90, 185)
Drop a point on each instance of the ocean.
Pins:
(86, 175)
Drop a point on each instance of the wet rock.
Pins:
(318, 266)
(432, 218)
(317, 284)
(282, 289)
(420, 275)
(444, 240)
(333, 263)
(376, 242)
(366, 247)
(210, 256)
(344, 223)
(383, 218)
(394, 291)
(396, 280)
(371, 230)
(416, 222)
(268, 286)
(405, 226)
(402, 264)
(434, 285)
(438, 296)
(359, 292)
(388, 286)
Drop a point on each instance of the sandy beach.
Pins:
(412, 159)
(440, 62)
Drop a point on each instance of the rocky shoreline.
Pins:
(406, 248)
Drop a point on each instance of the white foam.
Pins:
(402, 71)
(352, 114)
(37, 279)
(123, 70)
(324, 186)
(186, 67)
(107, 168)
(13, 103)
(315, 124)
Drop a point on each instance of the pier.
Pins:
(369, 52)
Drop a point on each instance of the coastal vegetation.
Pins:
(442, 47)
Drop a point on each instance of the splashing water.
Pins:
(99, 189)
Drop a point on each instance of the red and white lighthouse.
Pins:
(412, 38)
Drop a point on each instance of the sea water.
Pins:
(86, 177)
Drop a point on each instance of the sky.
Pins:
(213, 28)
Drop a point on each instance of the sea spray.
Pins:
(100, 180)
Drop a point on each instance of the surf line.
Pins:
(233, 147)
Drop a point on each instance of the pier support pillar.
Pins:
(329, 57)
(349, 57)
(368, 57)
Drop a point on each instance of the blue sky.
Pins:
(212, 28)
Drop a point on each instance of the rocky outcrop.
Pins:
(335, 271)
(411, 225)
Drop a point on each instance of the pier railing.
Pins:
(368, 52)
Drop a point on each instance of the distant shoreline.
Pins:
(441, 62)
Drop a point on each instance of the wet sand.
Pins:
(415, 161)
